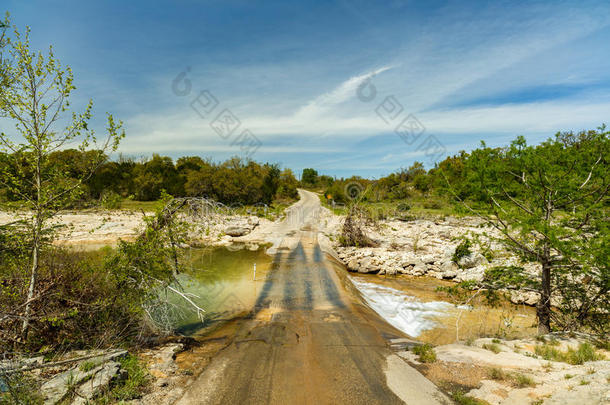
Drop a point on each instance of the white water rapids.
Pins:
(403, 311)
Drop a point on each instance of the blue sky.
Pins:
(290, 72)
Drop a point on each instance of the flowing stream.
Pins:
(414, 306)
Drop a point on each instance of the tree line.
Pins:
(235, 181)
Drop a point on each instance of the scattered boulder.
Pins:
(472, 260)
(103, 369)
(253, 221)
(524, 297)
(368, 265)
(449, 270)
(236, 231)
(353, 265)
(99, 382)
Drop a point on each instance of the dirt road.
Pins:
(309, 340)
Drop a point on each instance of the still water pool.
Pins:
(221, 281)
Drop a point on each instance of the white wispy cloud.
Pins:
(345, 91)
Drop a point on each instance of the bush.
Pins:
(81, 305)
(137, 380)
(462, 250)
(434, 205)
(352, 234)
(111, 200)
(426, 353)
(403, 207)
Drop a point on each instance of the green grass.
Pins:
(426, 353)
(519, 380)
(492, 347)
(418, 207)
(522, 380)
(88, 365)
(585, 352)
(132, 387)
(132, 205)
(498, 374)
(462, 399)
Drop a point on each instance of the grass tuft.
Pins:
(585, 352)
(522, 380)
(498, 374)
(426, 353)
(492, 347)
(461, 398)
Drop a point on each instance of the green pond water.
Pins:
(221, 281)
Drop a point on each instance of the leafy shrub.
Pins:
(432, 204)
(462, 250)
(82, 305)
(426, 353)
(19, 388)
(403, 207)
(111, 200)
(137, 380)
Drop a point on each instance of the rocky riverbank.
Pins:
(91, 230)
(426, 248)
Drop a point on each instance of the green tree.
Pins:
(36, 100)
(309, 177)
(550, 203)
(271, 182)
(288, 185)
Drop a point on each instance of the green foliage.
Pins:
(550, 203)
(133, 386)
(88, 365)
(403, 206)
(19, 388)
(309, 177)
(426, 353)
(585, 352)
(462, 250)
(35, 99)
(81, 304)
(462, 399)
(111, 200)
(231, 182)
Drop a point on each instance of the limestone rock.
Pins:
(472, 260)
(449, 270)
(368, 265)
(235, 231)
(524, 297)
(353, 265)
(100, 381)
